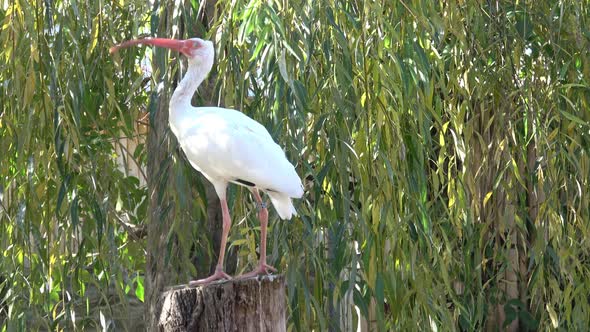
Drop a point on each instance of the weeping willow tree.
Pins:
(443, 146)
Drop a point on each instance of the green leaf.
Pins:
(552, 315)
(139, 291)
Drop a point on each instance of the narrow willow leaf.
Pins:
(552, 315)
(487, 198)
(94, 36)
(29, 87)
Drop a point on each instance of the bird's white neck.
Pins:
(180, 103)
(195, 75)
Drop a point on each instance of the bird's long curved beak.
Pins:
(173, 44)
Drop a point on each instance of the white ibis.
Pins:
(227, 146)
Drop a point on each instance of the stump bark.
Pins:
(254, 304)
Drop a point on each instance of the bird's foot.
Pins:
(262, 269)
(218, 275)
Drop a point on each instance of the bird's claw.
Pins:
(218, 275)
(262, 269)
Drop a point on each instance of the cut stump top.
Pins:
(253, 304)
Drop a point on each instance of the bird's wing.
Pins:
(227, 145)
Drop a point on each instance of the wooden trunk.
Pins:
(254, 304)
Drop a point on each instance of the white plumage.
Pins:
(227, 146)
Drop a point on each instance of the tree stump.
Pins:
(254, 304)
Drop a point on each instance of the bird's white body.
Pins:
(227, 146)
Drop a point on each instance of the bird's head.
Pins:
(197, 50)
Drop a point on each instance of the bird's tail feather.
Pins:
(283, 205)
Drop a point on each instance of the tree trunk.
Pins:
(242, 305)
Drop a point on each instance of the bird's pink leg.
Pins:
(219, 273)
(262, 268)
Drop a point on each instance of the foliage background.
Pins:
(444, 147)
